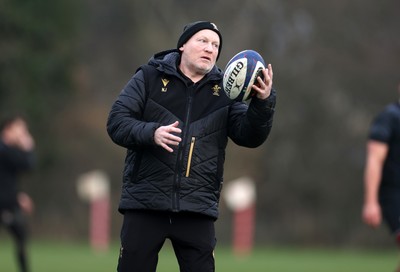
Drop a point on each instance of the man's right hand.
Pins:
(165, 136)
(372, 214)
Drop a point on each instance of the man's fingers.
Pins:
(172, 141)
(166, 136)
(166, 147)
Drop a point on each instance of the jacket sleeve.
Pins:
(125, 125)
(17, 159)
(250, 126)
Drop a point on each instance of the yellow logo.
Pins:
(215, 26)
(165, 83)
(216, 89)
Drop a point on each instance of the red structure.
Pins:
(94, 188)
(240, 196)
(243, 232)
(100, 224)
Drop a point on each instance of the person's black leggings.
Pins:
(15, 223)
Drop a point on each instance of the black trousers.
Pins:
(15, 222)
(143, 234)
(390, 205)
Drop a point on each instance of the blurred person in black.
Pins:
(16, 157)
(382, 171)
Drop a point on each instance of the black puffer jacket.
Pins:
(190, 178)
(13, 163)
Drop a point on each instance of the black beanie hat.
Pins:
(192, 28)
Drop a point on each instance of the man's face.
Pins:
(13, 131)
(200, 52)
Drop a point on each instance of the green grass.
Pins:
(72, 257)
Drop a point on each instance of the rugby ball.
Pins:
(240, 73)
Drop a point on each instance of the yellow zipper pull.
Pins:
(190, 156)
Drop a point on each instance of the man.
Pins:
(16, 157)
(382, 171)
(175, 120)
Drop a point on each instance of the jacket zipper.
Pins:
(190, 156)
(177, 179)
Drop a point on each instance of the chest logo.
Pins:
(216, 90)
(165, 83)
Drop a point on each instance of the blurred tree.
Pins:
(36, 52)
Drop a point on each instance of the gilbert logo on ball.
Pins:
(240, 74)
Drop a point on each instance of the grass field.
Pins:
(72, 257)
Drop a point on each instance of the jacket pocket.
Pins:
(192, 142)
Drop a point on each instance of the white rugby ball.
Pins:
(240, 73)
